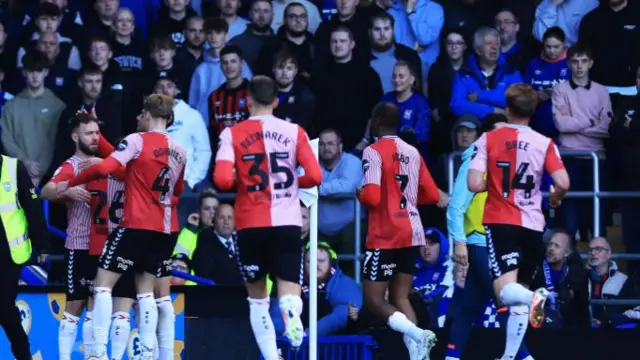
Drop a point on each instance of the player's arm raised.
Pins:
(307, 159)
(223, 173)
(104, 150)
(476, 179)
(428, 192)
(371, 192)
(554, 166)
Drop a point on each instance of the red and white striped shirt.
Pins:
(78, 213)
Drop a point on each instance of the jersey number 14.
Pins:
(516, 182)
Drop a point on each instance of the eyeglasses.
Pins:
(597, 249)
(297, 16)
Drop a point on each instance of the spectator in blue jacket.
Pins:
(434, 274)
(336, 291)
(480, 84)
(414, 108)
(543, 73)
(426, 18)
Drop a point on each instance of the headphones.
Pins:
(325, 246)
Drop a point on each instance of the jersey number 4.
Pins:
(162, 183)
(517, 182)
(255, 170)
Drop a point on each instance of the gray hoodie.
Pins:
(30, 126)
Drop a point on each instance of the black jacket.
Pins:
(304, 53)
(359, 25)
(440, 85)
(165, 25)
(298, 105)
(615, 45)
(573, 293)
(345, 95)
(211, 260)
(32, 206)
(626, 142)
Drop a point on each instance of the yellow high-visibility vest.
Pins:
(12, 214)
(473, 216)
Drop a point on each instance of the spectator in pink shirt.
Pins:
(582, 114)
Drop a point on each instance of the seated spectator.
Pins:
(341, 176)
(607, 282)
(480, 85)
(181, 262)
(465, 131)
(414, 108)
(47, 19)
(129, 50)
(439, 87)
(214, 256)
(70, 22)
(336, 291)
(99, 20)
(564, 275)
(209, 75)
(258, 33)
(296, 101)
(434, 275)
(543, 73)
(582, 114)
(196, 222)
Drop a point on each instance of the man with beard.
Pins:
(296, 101)
(191, 54)
(385, 52)
(295, 36)
(81, 267)
(258, 32)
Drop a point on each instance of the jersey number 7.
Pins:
(517, 182)
(255, 170)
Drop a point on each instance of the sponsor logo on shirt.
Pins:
(123, 145)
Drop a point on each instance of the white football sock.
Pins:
(148, 322)
(120, 330)
(102, 310)
(166, 328)
(67, 333)
(399, 322)
(87, 333)
(516, 328)
(516, 294)
(263, 329)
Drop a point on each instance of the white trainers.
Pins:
(294, 329)
(426, 343)
(412, 347)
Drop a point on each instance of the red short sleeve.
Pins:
(63, 173)
(552, 160)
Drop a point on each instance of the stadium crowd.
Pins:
(446, 64)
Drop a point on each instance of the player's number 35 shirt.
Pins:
(514, 158)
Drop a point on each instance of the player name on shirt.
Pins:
(265, 135)
(169, 152)
(517, 145)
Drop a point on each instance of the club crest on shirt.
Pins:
(123, 145)
(365, 166)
